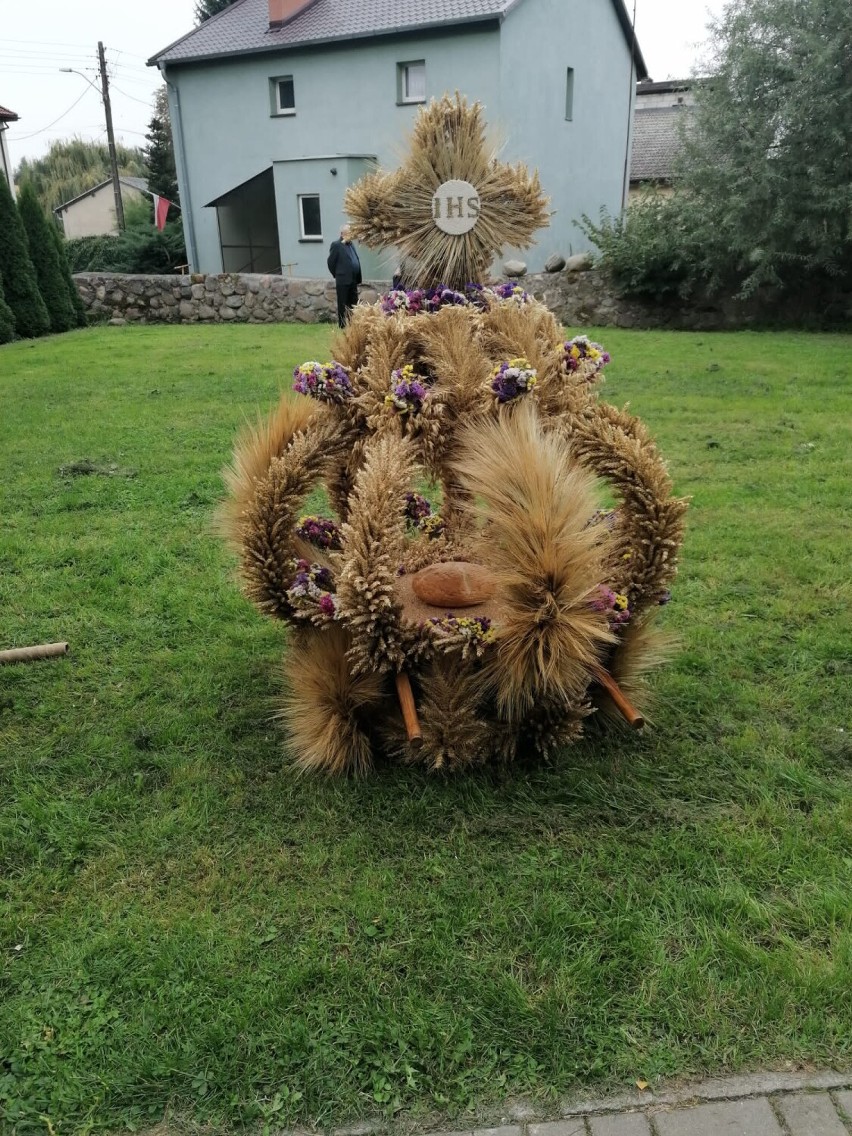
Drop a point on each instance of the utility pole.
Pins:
(113, 160)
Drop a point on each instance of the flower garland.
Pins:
(613, 603)
(418, 513)
(320, 531)
(509, 292)
(416, 300)
(327, 382)
(311, 592)
(471, 633)
(580, 353)
(407, 393)
(513, 378)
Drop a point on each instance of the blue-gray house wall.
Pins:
(581, 161)
(347, 117)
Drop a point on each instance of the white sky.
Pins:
(38, 37)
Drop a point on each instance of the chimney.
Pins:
(281, 12)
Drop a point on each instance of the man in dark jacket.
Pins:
(345, 267)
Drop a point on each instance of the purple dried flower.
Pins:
(407, 392)
(582, 354)
(512, 378)
(327, 382)
(321, 531)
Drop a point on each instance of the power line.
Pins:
(23, 137)
(144, 102)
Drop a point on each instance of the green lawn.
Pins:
(184, 924)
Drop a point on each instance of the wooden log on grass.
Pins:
(29, 654)
(409, 711)
(622, 703)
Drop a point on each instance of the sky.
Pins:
(40, 37)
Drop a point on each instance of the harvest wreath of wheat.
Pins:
(494, 624)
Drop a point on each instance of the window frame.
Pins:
(402, 84)
(309, 237)
(569, 95)
(278, 110)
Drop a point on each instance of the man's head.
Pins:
(345, 233)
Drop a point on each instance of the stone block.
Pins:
(117, 321)
(132, 314)
(305, 315)
(572, 1127)
(235, 301)
(100, 292)
(136, 287)
(721, 1118)
(582, 262)
(810, 1114)
(210, 284)
(554, 263)
(187, 310)
(227, 313)
(844, 1103)
(620, 1124)
(197, 278)
(205, 312)
(185, 292)
(226, 287)
(515, 268)
(315, 287)
(197, 291)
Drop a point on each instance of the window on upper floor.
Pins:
(569, 95)
(310, 220)
(283, 95)
(411, 81)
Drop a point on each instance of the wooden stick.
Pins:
(626, 708)
(409, 711)
(27, 654)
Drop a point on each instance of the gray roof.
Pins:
(656, 142)
(243, 27)
(133, 182)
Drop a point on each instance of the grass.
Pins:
(185, 925)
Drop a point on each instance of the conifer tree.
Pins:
(204, 9)
(160, 153)
(73, 291)
(17, 274)
(51, 283)
(7, 320)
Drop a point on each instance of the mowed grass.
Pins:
(186, 926)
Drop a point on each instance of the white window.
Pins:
(284, 95)
(412, 81)
(569, 95)
(310, 220)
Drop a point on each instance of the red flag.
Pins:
(161, 209)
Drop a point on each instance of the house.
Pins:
(278, 105)
(92, 214)
(660, 112)
(6, 116)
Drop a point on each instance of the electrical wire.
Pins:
(144, 102)
(23, 137)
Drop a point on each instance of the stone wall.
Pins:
(577, 293)
(225, 298)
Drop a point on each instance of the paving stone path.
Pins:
(766, 1104)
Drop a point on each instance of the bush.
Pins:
(17, 274)
(51, 282)
(76, 299)
(651, 250)
(7, 320)
(140, 249)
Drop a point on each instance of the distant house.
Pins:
(657, 122)
(92, 214)
(278, 105)
(6, 116)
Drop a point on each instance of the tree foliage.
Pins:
(71, 167)
(76, 299)
(160, 153)
(770, 159)
(763, 195)
(204, 9)
(45, 258)
(7, 320)
(17, 274)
